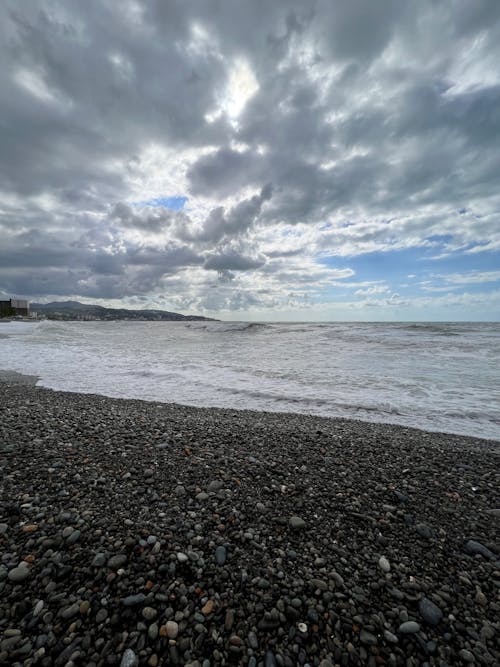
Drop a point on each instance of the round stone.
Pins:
(172, 629)
(19, 574)
(384, 564)
(297, 523)
(430, 612)
(149, 613)
(367, 638)
(129, 659)
(409, 628)
(466, 656)
(116, 562)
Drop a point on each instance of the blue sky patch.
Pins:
(172, 203)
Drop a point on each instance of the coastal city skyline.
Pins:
(248, 161)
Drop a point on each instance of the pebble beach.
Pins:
(137, 533)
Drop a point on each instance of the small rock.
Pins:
(99, 560)
(116, 562)
(390, 637)
(297, 523)
(84, 607)
(409, 628)
(149, 613)
(215, 485)
(19, 574)
(384, 564)
(430, 612)
(270, 660)
(367, 638)
(424, 531)
(202, 497)
(70, 611)
(172, 629)
(133, 600)
(229, 620)
(179, 490)
(129, 659)
(472, 548)
(481, 598)
(220, 555)
(74, 537)
(208, 607)
(466, 656)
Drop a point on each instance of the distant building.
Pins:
(14, 307)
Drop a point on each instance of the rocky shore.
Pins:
(136, 533)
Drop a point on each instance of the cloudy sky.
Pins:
(247, 159)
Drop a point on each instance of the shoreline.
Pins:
(140, 533)
(13, 377)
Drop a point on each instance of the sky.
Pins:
(253, 160)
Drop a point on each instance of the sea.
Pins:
(433, 376)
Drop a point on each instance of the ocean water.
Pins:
(441, 377)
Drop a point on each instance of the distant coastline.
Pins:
(74, 310)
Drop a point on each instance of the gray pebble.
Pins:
(19, 574)
(430, 612)
(409, 628)
(116, 562)
(297, 523)
(132, 600)
(129, 659)
(220, 555)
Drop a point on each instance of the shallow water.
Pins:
(434, 376)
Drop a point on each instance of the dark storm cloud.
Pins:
(381, 117)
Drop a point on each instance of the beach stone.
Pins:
(19, 574)
(84, 607)
(390, 637)
(466, 656)
(208, 607)
(215, 485)
(3, 528)
(409, 628)
(270, 659)
(182, 557)
(99, 560)
(384, 564)
(367, 638)
(220, 555)
(101, 615)
(71, 611)
(297, 523)
(179, 490)
(74, 537)
(116, 562)
(202, 497)
(172, 629)
(133, 600)
(473, 548)
(430, 612)
(129, 659)
(424, 531)
(149, 613)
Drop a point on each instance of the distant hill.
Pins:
(74, 310)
